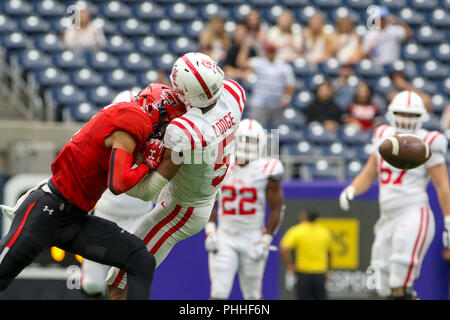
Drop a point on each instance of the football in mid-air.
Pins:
(405, 151)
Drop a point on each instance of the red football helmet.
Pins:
(162, 104)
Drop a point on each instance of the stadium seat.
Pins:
(304, 15)
(151, 46)
(68, 94)
(433, 123)
(182, 45)
(119, 79)
(101, 95)
(330, 68)
(439, 103)
(412, 17)
(193, 28)
(326, 4)
(164, 62)
(445, 4)
(444, 86)
(238, 13)
(428, 35)
(230, 2)
(119, 45)
(114, 10)
(393, 4)
(181, 12)
(338, 149)
(69, 60)
(132, 27)
(146, 77)
(33, 24)
(351, 135)
(304, 148)
(341, 12)
(15, 40)
(166, 28)
(383, 85)
(109, 28)
(367, 69)
(293, 118)
(442, 52)
(415, 52)
(317, 134)
(363, 152)
(60, 24)
(439, 18)
(409, 68)
(7, 25)
(313, 82)
(271, 14)
(135, 62)
(85, 78)
(102, 60)
(358, 4)
(423, 5)
(32, 60)
(302, 68)
(433, 69)
(353, 168)
(49, 43)
(81, 112)
(294, 4)
(289, 135)
(49, 8)
(261, 3)
(322, 169)
(211, 9)
(51, 77)
(302, 99)
(17, 8)
(424, 85)
(148, 11)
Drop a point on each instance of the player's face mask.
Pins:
(406, 122)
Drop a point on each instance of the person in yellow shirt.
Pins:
(311, 244)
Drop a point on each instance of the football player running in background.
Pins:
(197, 156)
(241, 242)
(406, 225)
(100, 155)
(121, 209)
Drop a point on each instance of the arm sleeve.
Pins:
(438, 146)
(121, 176)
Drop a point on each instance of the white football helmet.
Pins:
(197, 79)
(406, 102)
(250, 141)
(126, 95)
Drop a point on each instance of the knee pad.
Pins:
(141, 262)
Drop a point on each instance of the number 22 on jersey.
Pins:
(246, 196)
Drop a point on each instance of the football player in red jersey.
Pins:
(101, 155)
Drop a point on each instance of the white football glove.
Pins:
(262, 247)
(211, 241)
(446, 233)
(346, 196)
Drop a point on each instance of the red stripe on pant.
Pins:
(405, 284)
(423, 241)
(22, 223)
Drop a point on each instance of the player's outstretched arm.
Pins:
(275, 199)
(211, 242)
(360, 184)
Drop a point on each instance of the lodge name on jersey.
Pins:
(225, 123)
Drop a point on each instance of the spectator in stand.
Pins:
(317, 45)
(323, 109)
(346, 44)
(84, 36)
(362, 112)
(273, 88)
(214, 39)
(343, 90)
(400, 83)
(285, 37)
(256, 31)
(230, 64)
(383, 45)
(445, 121)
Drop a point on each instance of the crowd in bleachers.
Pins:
(321, 71)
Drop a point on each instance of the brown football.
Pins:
(405, 151)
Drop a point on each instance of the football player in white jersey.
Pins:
(242, 241)
(121, 209)
(199, 146)
(406, 225)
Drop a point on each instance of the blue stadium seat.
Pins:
(271, 14)
(445, 4)
(7, 25)
(330, 68)
(324, 170)
(119, 79)
(166, 28)
(108, 27)
(338, 149)
(302, 99)
(119, 45)
(101, 95)
(69, 60)
(85, 78)
(293, 118)
(353, 136)
(150, 46)
(439, 18)
(51, 77)
(304, 148)
(364, 151)
(133, 27)
(316, 133)
(428, 35)
(238, 13)
(294, 4)
(433, 69)
(409, 68)
(148, 11)
(302, 68)
(135, 62)
(33, 24)
(442, 52)
(115, 10)
(304, 15)
(383, 85)
(49, 43)
(182, 45)
(193, 28)
(102, 60)
(326, 4)
(61, 24)
(81, 112)
(312, 82)
(412, 17)
(289, 135)
(433, 123)
(33, 60)
(415, 52)
(181, 12)
(424, 85)
(230, 2)
(211, 9)
(49, 8)
(444, 86)
(393, 4)
(341, 12)
(164, 62)
(439, 103)
(261, 3)
(423, 5)
(353, 168)
(15, 40)
(16, 8)
(358, 4)
(67, 94)
(367, 69)
(146, 77)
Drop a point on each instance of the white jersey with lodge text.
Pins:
(204, 143)
(399, 188)
(242, 204)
